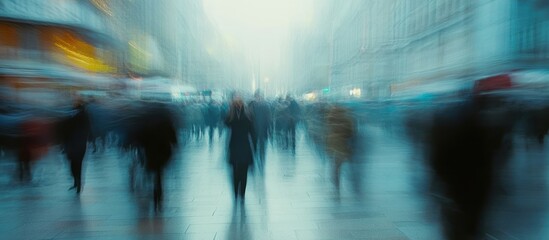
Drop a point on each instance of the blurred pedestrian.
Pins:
(465, 144)
(339, 135)
(241, 144)
(33, 144)
(76, 134)
(294, 112)
(537, 124)
(157, 136)
(223, 111)
(281, 120)
(262, 121)
(211, 116)
(99, 124)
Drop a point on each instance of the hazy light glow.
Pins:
(256, 23)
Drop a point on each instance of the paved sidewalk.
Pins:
(383, 196)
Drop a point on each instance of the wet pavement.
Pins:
(383, 195)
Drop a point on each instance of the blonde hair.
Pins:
(237, 105)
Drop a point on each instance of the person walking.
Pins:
(241, 144)
(33, 145)
(341, 130)
(466, 146)
(76, 134)
(211, 116)
(294, 112)
(157, 136)
(261, 117)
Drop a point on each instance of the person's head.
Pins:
(258, 95)
(236, 108)
(237, 103)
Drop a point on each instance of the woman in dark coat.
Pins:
(241, 144)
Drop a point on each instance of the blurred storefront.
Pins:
(56, 44)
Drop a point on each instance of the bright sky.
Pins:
(259, 30)
(258, 24)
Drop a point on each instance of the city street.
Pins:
(390, 120)
(383, 195)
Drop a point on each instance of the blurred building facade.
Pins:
(381, 46)
(63, 41)
(309, 58)
(469, 39)
(362, 54)
(173, 39)
(83, 39)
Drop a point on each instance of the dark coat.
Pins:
(294, 111)
(240, 144)
(76, 131)
(157, 135)
(262, 119)
(465, 149)
(211, 115)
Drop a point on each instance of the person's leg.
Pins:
(94, 144)
(76, 170)
(337, 172)
(210, 134)
(287, 137)
(244, 178)
(158, 191)
(261, 149)
(292, 136)
(73, 171)
(236, 181)
(101, 142)
(262, 145)
(132, 173)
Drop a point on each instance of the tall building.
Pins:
(383, 46)
(364, 40)
(310, 53)
(174, 39)
(348, 50)
(467, 39)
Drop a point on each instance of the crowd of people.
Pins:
(465, 142)
(147, 131)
